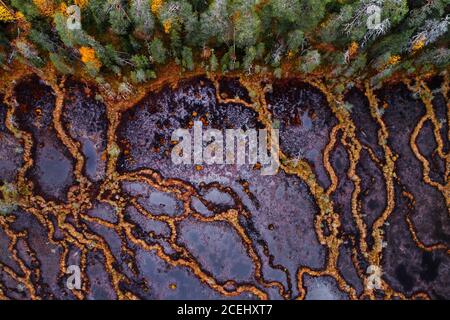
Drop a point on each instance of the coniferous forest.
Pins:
(130, 40)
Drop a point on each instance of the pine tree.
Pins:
(187, 60)
(110, 58)
(118, 17)
(310, 61)
(96, 9)
(29, 52)
(26, 7)
(213, 63)
(157, 51)
(142, 17)
(216, 23)
(179, 16)
(42, 40)
(247, 25)
(140, 61)
(249, 57)
(286, 11)
(60, 64)
(303, 14)
(138, 76)
(295, 40)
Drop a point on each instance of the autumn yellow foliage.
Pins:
(81, 3)
(46, 7)
(63, 8)
(156, 5)
(20, 16)
(167, 25)
(22, 22)
(353, 49)
(417, 45)
(88, 56)
(5, 14)
(393, 60)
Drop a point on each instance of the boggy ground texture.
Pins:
(363, 186)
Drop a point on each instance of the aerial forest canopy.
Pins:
(129, 41)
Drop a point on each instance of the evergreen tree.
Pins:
(187, 60)
(310, 61)
(118, 17)
(295, 40)
(142, 17)
(157, 51)
(247, 25)
(179, 16)
(60, 64)
(27, 7)
(213, 63)
(216, 23)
